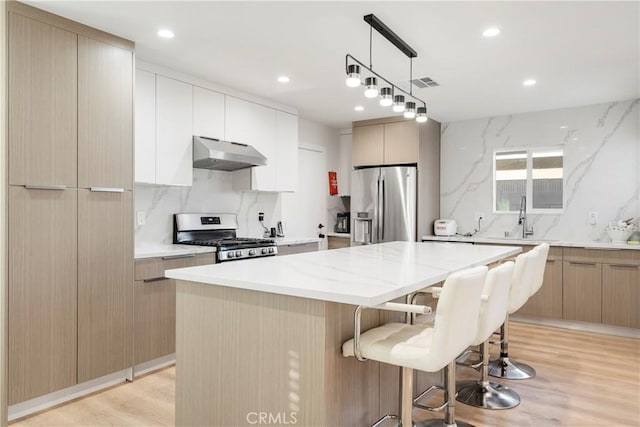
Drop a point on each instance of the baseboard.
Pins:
(40, 403)
(154, 365)
(576, 325)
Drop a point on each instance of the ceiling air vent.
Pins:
(424, 82)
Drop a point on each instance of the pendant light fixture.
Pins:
(390, 95)
(372, 87)
(386, 97)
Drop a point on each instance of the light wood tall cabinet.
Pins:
(105, 272)
(43, 106)
(105, 115)
(70, 249)
(43, 255)
(385, 142)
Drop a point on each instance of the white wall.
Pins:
(601, 170)
(316, 134)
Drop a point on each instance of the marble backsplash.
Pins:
(601, 169)
(211, 192)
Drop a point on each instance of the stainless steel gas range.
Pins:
(219, 230)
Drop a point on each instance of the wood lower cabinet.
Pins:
(43, 107)
(621, 294)
(105, 115)
(105, 274)
(154, 299)
(43, 256)
(334, 242)
(582, 291)
(547, 302)
(297, 248)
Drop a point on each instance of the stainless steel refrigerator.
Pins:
(383, 204)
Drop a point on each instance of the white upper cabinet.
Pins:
(286, 151)
(169, 112)
(253, 124)
(208, 113)
(145, 127)
(174, 133)
(344, 174)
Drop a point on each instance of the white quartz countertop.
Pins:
(532, 241)
(359, 275)
(170, 250)
(281, 241)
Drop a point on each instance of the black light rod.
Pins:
(388, 34)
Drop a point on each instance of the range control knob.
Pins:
(238, 254)
(271, 250)
(230, 255)
(252, 251)
(263, 251)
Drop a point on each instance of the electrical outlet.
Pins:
(141, 218)
(593, 217)
(260, 216)
(478, 216)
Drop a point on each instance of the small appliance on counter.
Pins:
(343, 225)
(445, 227)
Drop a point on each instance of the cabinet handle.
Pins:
(178, 256)
(46, 186)
(582, 262)
(154, 279)
(107, 189)
(624, 265)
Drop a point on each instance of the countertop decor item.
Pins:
(620, 231)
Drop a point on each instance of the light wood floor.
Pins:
(583, 379)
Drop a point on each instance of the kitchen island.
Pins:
(259, 341)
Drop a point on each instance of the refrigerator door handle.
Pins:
(381, 220)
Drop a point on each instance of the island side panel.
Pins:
(352, 387)
(241, 354)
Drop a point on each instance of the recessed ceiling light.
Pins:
(491, 32)
(359, 108)
(564, 127)
(283, 79)
(528, 82)
(166, 34)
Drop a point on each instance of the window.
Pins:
(535, 173)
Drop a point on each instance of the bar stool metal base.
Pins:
(502, 367)
(489, 395)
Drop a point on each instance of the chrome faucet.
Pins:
(522, 218)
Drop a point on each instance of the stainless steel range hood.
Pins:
(209, 153)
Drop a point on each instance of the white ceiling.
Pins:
(580, 53)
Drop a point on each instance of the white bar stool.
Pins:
(493, 310)
(425, 348)
(526, 282)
